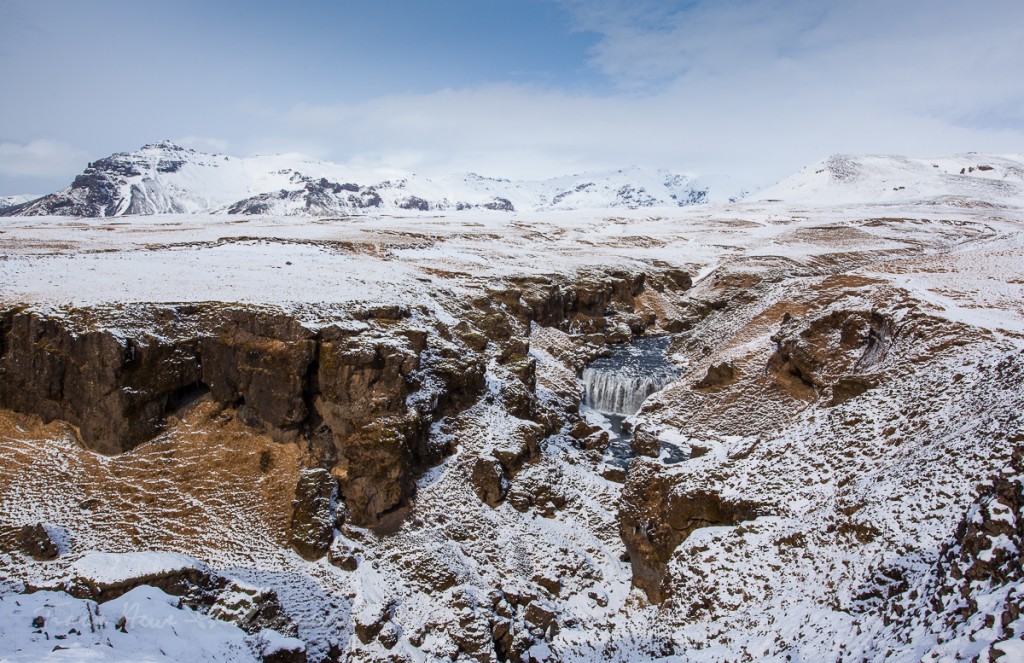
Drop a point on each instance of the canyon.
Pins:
(387, 437)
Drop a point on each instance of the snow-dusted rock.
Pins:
(163, 178)
(42, 541)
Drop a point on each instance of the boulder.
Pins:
(312, 524)
(344, 557)
(252, 609)
(489, 480)
(718, 375)
(581, 430)
(38, 542)
(538, 488)
(472, 634)
(645, 442)
(376, 467)
(597, 441)
(614, 473)
(275, 648)
(541, 614)
(371, 619)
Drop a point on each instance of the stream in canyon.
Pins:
(614, 388)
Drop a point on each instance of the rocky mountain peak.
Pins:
(165, 146)
(164, 177)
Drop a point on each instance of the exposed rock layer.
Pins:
(347, 392)
(656, 516)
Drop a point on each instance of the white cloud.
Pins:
(644, 43)
(509, 131)
(941, 57)
(752, 88)
(204, 144)
(937, 59)
(41, 158)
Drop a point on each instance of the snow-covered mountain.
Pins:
(846, 179)
(167, 178)
(11, 201)
(163, 178)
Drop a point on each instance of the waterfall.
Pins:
(618, 384)
(619, 392)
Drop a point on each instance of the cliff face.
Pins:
(359, 396)
(116, 390)
(333, 388)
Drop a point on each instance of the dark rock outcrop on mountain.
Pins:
(112, 186)
(414, 203)
(317, 197)
(500, 205)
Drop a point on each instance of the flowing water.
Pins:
(615, 387)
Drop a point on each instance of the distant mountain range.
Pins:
(164, 178)
(966, 179)
(11, 201)
(167, 178)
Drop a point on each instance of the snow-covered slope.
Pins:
(11, 201)
(973, 178)
(166, 178)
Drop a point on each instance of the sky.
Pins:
(748, 90)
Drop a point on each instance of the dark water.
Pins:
(618, 384)
(614, 388)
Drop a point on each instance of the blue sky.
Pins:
(521, 88)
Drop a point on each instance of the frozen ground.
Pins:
(302, 262)
(860, 501)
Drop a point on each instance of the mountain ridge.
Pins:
(164, 177)
(18, 199)
(886, 178)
